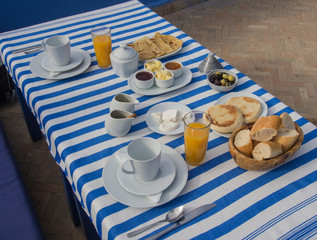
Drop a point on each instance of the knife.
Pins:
(187, 218)
(28, 49)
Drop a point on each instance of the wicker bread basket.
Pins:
(248, 163)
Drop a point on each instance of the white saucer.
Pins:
(115, 190)
(75, 59)
(164, 179)
(226, 97)
(38, 70)
(181, 81)
(161, 107)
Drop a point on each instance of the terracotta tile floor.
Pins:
(273, 42)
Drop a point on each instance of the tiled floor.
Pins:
(273, 42)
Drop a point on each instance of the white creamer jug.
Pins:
(124, 60)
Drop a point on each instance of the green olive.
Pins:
(230, 78)
(223, 82)
(225, 76)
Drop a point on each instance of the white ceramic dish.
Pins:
(222, 88)
(182, 81)
(160, 183)
(75, 59)
(164, 83)
(161, 107)
(115, 190)
(226, 97)
(38, 70)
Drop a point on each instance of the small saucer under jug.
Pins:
(124, 102)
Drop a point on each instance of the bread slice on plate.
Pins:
(265, 128)
(286, 137)
(287, 121)
(243, 142)
(224, 118)
(266, 150)
(249, 107)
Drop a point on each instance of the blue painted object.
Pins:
(18, 14)
(17, 218)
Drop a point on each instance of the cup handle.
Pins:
(126, 170)
(43, 43)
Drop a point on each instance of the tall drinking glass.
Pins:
(101, 38)
(196, 133)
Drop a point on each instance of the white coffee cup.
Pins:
(143, 156)
(58, 48)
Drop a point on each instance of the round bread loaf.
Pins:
(249, 107)
(224, 118)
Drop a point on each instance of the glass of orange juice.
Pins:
(101, 38)
(196, 133)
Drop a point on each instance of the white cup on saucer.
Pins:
(143, 156)
(58, 48)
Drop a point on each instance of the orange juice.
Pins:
(102, 46)
(196, 139)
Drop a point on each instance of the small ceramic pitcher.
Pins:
(124, 102)
(118, 122)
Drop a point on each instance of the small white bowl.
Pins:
(175, 67)
(222, 88)
(164, 83)
(144, 79)
(153, 65)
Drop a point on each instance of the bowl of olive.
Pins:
(222, 80)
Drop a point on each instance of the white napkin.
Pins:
(121, 157)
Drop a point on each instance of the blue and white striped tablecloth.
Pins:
(272, 204)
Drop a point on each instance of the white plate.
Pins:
(226, 97)
(179, 82)
(75, 59)
(164, 179)
(115, 190)
(161, 107)
(38, 70)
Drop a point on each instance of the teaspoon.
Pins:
(172, 216)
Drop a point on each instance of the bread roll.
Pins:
(286, 137)
(243, 142)
(266, 150)
(287, 121)
(224, 118)
(265, 128)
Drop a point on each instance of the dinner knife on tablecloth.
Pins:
(187, 218)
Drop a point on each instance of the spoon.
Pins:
(172, 216)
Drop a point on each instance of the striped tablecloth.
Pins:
(272, 204)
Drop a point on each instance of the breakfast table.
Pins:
(277, 203)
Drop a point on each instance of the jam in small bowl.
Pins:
(175, 67)
(144, 79)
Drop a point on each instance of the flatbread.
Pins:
(159, 45)
(158, 40)
(224, 118)
(249, 107)
(155, 49)
(144, 50)
(174, 42)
